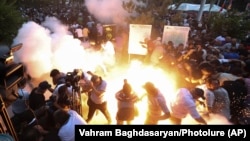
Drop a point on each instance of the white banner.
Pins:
(176, 34)
(137, 34)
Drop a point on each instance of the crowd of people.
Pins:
(211, 71)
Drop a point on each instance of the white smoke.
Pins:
(107, 11)
(48, 46)
(110, 11)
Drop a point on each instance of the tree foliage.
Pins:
(154, 11)
(235, 24)
(151, 12)
(146, 11)
(10, 21)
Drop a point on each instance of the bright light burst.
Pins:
(136, 74)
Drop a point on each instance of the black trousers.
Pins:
(102, 107)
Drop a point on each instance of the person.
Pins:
(37, 101)
(184, 103)
(31, 134)
(57, 77)
(65, 122)
(127, 109)
(85, 33)
(209, 71)
(64, 98)
(29, 120)
(208, 88)
(75, 82)
(100, 34)
(97, 99)
(65, 117)
(158, 52)
(79, 33)
(222, 101)
(149, 45)
(157, 106)
(21, 103)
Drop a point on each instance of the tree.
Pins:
(10, 21)
(151, 12)
(234, 23)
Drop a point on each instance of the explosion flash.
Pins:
(42, 53)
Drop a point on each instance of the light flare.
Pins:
(136, 74)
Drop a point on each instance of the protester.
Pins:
(184, 103)
(157, 106)
(127, 109)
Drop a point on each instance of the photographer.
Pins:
(57, 77)
(97, 97)
(71, 80)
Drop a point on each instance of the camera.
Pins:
(72, 78)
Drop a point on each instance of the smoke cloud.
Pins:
(107, 11)
(48, 46)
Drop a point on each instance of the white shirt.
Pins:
(157, 104)
(99, 99)
(79, 32)
(55, 92)
(67, 131)
(184, 104)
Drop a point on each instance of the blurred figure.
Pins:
(97, 99)
(149, 45)
(29, 124)
(57, 77)
(157, 106)
(21, 103)
(37, 103)
(65, 117)
(208, 88)
(37, 100)
(184, 103)
(99, 28)
(127, 109)
(79, 33)
(222, 102)
(65, 122)
(158, 52)
(31, 134)
(85, 33)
